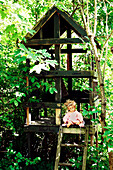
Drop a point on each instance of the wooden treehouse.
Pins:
(60, 35)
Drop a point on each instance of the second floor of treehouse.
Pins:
(66, 42)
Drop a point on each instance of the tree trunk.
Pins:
(101, 83)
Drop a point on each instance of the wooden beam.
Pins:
(65, 51)
(69, 62)
(74, 130)
(72, 145)
(42, 22)
(44, 105)
(60, 135)
(57, 57)
(27, 85)
(51, 41)
(63, 74)
(58, 116)
(41, 128)
(77, 28)
(82, 130)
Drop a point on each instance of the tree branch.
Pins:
(84, 18)
(107, 37)
(109, 3)
(95, 18)
(106, 43)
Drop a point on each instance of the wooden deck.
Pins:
(47, 125)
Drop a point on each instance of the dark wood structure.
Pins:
(49, 35)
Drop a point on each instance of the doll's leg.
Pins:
(69, 123)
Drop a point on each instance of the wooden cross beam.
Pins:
(65, 51)
(51, 41)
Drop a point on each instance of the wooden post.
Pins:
(27, 85)
(60, 135)
(96, 135)
(58, 119)
(69, 62)
(91, 103)
(29, 144)
(78, 107)
(57, 57)
(85, 149)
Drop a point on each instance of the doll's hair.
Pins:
(69, 103)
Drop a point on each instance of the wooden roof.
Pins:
(46, 24)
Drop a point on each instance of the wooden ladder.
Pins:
(63, 130)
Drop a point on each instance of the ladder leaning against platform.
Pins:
(64, 130)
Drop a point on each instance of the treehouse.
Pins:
(63, 38)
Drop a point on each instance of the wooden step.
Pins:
(73, 145)
(65, 164)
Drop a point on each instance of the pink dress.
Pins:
(74, 117)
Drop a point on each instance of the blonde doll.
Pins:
(72, 116)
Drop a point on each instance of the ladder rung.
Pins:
(65, 164)
(73, 145)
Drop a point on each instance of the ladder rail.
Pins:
(60, 135)
(85, 149)
(59, 145)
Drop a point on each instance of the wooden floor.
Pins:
(48, 125)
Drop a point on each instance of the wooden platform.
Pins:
(45, 125)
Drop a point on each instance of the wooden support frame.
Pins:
(60, 135)
(27, 85)
(57, 57)
(66, 51)
(85, 149)
(91, 103)
(58, 116)
(65, 74)
(51, 41)
(69, 62)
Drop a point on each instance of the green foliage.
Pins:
(97, 158)
(108, 134)
(14, 160)
(17, 18)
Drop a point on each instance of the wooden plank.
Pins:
(74, 130)
(27, 85)
(69, 73)
(82, 130)
(43, 105)
(27, 111)
(65, 51)
(72, 145)
(65, 164)
(85, 149)
(58, 116)
(41, 128)
(51, 41)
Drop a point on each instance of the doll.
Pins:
(72, 117)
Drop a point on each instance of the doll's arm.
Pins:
(69, 123)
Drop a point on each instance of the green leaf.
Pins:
(15, 103)
(22, 46)
(32, 79)
(31, 31)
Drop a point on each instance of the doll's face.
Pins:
(71, 108)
